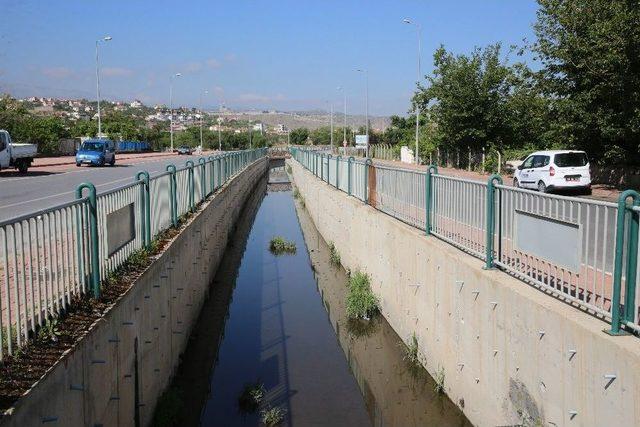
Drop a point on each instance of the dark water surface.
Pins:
(274, 320)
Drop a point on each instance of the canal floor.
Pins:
(279, 321)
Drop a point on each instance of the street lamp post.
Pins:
(201, 114)
(171, 106)
(104, 39)
(331, 124)
(344, 130)
(219, 136)
(419, 31)
(366, 102)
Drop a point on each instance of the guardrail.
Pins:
(50, 257)
(584, 251)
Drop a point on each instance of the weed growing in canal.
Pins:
(411, 351)
(49, 331)
(296, 193)
(251, 397)
(273, 416)
(289, 169)
(280, 246)
(438, 387)
(361, 302)
(334, 256)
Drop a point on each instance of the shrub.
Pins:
(334, 256)
(438, 387)
(411, 351)
(361, 302)
(273, 416)
(251, 397)
(280, 246)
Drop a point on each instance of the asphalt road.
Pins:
(44, 187)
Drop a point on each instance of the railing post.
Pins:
(367, 164)
(203, 179)
(350, 160)
(329, 156)
(428, 194)
(213, 174)
(490, 226)
(190, 166)
(172, 194)
(145, 208)
(93, 233)
(632, 249)
(338, 160)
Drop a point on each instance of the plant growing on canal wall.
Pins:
(438, 387)
(289, 169)
(251, 397)
(298, 196)
(411, 351)
(280, 246)
(273, 416)
(334, 256)
(361, 302)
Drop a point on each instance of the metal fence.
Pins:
(583, 251)
(50, 257)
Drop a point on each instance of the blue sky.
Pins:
(286, 55)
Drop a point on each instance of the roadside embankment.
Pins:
(508, 353)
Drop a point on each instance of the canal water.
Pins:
(278, 324)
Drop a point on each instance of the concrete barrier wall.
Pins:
(511, 355)
(115, 374)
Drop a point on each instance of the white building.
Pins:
(280, 128)
(259, 127)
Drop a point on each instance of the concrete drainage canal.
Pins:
(274, 344)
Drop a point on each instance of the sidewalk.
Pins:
(40, 162)
(600, 192)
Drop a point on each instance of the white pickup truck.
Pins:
(18, 156)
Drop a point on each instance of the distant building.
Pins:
(136, 104)
(259, 127)
(280, 128)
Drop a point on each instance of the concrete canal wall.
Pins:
(116, 373)
(510, 354)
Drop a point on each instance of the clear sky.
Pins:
(279, 54)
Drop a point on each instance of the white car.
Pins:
(554, 170)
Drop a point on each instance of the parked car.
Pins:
(185, 150)
(18, 156)
(554, 170)
(97, 152)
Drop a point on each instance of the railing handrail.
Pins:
(477, 215)
(45, 262)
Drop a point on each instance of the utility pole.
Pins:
(331, 125)
(417, 108)
(171, 107)
(219, 136)
(104, 39)
(201, 114)
(366, 105)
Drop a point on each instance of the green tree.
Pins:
(590, 51)
(479, 101)
(299, 136)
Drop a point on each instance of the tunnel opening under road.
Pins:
(277, 326)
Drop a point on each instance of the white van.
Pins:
(554, 170)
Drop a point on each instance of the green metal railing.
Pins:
(481, 218)
(49, 257)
